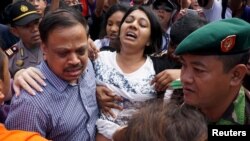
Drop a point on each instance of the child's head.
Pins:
(164, 122)
(112, 20)
(4, 75)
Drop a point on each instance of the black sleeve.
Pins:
(163, 62)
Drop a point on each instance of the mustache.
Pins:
(73, 67)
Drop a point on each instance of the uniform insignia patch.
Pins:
(24, 8)
(19, 63)
(11, 51)
(228, 43)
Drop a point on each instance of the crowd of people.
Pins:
(123, 70)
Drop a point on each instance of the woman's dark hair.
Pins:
(116, 7)
(156, 30)
(60, 18)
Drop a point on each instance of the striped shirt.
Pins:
(62, 112)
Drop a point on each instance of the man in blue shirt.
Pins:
(66, 109)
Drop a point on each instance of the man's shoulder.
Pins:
(38, 99)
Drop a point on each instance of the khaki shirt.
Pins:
(24, 58)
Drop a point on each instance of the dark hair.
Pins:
(230, 61)
(60, 18)
(156, 30)
(114, 8)
(2, 57)
(158, 121)
(185, 26)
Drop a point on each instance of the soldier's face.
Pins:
(205, 84)
(66, 52)
(29, 33)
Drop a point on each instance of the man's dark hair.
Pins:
(60, 18)
(185, 26)
(230, 61)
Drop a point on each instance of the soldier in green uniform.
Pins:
(214, 60)
(24, 21)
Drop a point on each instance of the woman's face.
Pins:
(113, 24)
(135, 30)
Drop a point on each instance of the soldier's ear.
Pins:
(237, 74)
(14, 31)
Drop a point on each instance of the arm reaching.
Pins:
(164, 78)
(29, 79)
(105, 99)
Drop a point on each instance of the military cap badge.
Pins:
(24, 8)
(228, 43)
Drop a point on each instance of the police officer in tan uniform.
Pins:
(24, 21)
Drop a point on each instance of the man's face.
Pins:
(40, 5)
(29, 33)
(66, 52)
(164, 17)
(205, 84)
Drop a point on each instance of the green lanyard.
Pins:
(238, 114)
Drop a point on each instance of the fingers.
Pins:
(21, 83)
(92, 50)
(106, 100)
(1, 97)
(162, 80)
(108, 112)
(28, 79)
(35, 74)
(162, 85)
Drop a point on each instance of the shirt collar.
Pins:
(54, 80)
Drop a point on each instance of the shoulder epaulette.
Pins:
(11, 51)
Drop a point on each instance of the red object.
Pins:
(85, 11)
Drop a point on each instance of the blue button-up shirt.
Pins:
(62, 112)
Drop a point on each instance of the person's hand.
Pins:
(1, 98)
(106, 100)
(164, 78)
(92, 50)
(28, 79)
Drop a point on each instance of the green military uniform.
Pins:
(238, 112)
(24, 58)
(224, 37)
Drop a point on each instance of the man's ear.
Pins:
(14, 31)
(237, 74)
(44, 48)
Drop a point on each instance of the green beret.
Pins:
(228, 36)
